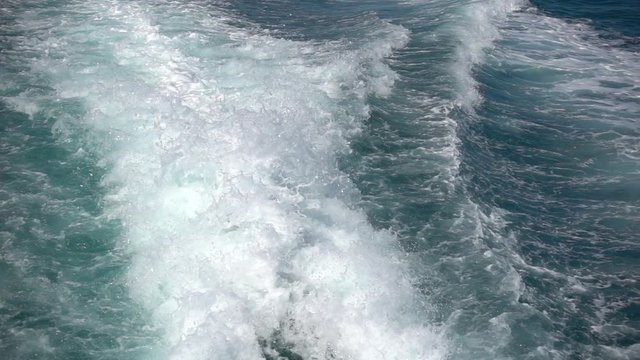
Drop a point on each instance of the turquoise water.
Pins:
(319, 180)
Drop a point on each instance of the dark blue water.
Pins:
(614, 19)
(320, 180)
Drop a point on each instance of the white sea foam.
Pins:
(476, 30)
(221, 146)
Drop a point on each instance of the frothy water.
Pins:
(351, 180)
(221, 148)
(476, 32)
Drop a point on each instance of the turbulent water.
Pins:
(346, 180)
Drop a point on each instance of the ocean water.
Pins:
(345, 180)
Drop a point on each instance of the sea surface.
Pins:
(319, 180)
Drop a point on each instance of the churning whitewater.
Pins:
(319, 180)
(221, 145)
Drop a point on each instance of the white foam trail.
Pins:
(477, 30)
(222, 150)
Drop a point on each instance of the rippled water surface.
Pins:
(319, 179)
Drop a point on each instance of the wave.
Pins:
(220, 144)
(558, 100)
(476, 29)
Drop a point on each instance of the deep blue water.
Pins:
(319, 179)
(611, 17)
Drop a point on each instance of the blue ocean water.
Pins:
(319, 179)
(611, 18)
